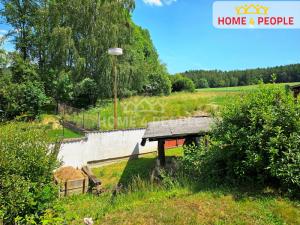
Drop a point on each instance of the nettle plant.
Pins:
(256, 139)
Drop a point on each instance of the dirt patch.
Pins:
(68, 173)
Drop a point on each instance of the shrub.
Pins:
(26, 166)
(203, 83)
(181, 83)
(257, 140)
(158, 84)
(85, 93)
(24, 98)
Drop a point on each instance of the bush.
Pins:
(257, 140)
(158, 84)
(26, 167)
(181, 83)
(24, 98)
(85, 93)
(203, 83)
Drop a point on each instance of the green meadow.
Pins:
(137, 111)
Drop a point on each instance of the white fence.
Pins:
(100, 146)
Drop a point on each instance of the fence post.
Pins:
(83, 119)
(98, 125)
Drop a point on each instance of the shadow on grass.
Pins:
(238, 192)
(139, 167)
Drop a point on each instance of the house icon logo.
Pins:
(256, 14)
(145, 105)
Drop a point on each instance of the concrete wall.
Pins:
(98, 146)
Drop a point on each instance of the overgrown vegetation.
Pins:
(26, 179)
(182, 83)
(176, 200)
(137, 111)
(61, 57)
(255, 141)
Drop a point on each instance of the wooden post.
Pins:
(98, 125)
(83, 120)
(161, 152)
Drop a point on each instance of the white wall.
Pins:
(104, 145)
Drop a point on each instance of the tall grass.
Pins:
(136, 112)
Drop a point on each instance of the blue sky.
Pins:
(185, 38)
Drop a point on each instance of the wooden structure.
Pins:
(71, 181)
(295, 89)
(73, 187)
(189, 129)
(95, 183)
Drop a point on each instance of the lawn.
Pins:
(53, 128)
(63, 133)
(146, 203)
(137, 111)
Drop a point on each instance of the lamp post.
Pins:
(114, 52)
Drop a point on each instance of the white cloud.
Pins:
(159, 2)
(169, 2)
(2, 31)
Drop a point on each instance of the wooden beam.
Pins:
(161, 152)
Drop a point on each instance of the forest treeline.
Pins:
(217, 78)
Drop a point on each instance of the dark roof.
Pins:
(178, 128)
(294, 86)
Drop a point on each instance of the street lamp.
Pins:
(115, 52)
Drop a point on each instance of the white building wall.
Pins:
(103, 146)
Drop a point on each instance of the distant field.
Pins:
(136, 112)
(239, 88)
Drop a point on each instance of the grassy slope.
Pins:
(152, 204)
(54, 129)
(136, 112)
(182, 206)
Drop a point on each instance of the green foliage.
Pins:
(216, 78)
(202, 83)
(85, 93)
(181, 83)
(23, 70)
(68, 46)
(26, 98)
(158, 84)
(26, 167)
(63, 87)
(257, 140)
